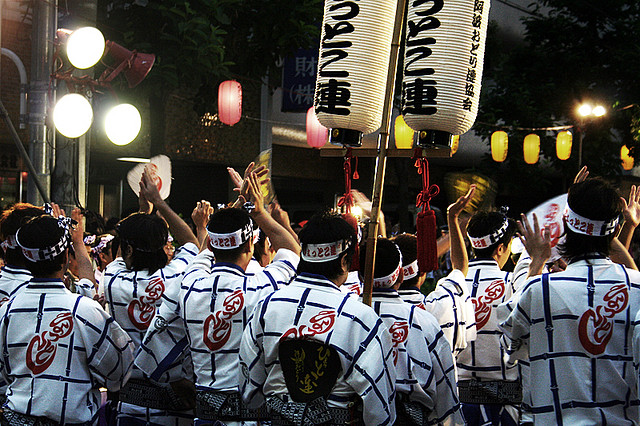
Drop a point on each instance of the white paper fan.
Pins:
(160, 169)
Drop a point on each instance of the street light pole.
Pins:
(587, 112)
(580, 138)
(41, 152)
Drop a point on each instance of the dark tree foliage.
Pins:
(573, 52)
(199, 43)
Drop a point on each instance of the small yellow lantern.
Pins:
(531, 148)
(455, 142)
(563, 145)
(499, 146)
(627, 160)
(403, 134)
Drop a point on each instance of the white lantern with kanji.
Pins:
(352, 67)
(444, 57)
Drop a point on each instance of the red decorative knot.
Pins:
(428, 191)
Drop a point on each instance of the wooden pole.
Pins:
(381, 161)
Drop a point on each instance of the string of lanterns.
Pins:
(531, 148)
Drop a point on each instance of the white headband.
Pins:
(585, 226)
(489, 240)
(9, 243)
(389, 280)
(47, 253)
(316, 253)
(411, 270)
(102, 244)
(234, 239)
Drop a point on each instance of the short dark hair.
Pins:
(10, 221)
(387, 258)
(322, 228)
(408, 245)
(484, 223)
(42, 232)
(226, 221)
(146, 235)
(597, 200)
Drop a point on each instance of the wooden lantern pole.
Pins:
(381, 161)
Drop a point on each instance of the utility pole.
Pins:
(41, 139)
(70, 176)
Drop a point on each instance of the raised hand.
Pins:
(537, 243)
(458, 206)
(148, 189)
(631, 210)
(582, 175)
(254, 192)
(201, 213)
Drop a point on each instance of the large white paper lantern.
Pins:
(352, 67)
(442, 72)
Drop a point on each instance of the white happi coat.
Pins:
(353, 285)
(450, 303)
(413, 296)
(314, 307)
(484, 358)
(578, 325)
(429, 380)
(57, 349)
(12, 279)
(134, 296)
(215, 304)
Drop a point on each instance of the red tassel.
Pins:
(356, 176)
(351, 220)
(427, 249)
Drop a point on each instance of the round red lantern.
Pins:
(316, 133)
(230, 102)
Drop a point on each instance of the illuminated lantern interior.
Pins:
(531, 148)
(230, 102)
(563, 145)
(499, 146)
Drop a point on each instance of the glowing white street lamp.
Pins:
(85, 47)
(122, 124)
(72, 115)
(598, 111)
(587, 112)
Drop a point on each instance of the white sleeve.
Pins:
(252, 364)
(86, 288)
(109, 348)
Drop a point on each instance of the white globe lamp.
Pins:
(122, 124)
(73, 115)
(85, 47)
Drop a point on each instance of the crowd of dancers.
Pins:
(236, 319)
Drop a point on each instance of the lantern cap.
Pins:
(345, 137)
(434, 139)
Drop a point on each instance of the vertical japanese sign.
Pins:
(355, 45)
(444, 56)
(299, 80)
